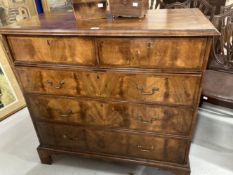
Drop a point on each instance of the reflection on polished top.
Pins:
(164, 22)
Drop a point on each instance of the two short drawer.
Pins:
(92, 113)
(81, 139)
(164, 53)
(167, 89)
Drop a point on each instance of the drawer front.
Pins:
(49, 81)
(169, 120)
(164, 89)
(65, 136)
(138, 146)
(115, 143)
(173, 53)
(66, 50)
(158, 148)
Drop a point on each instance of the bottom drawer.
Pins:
(63, 136)
(81, 139)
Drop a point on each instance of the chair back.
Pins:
(222, 50)
(158, 4)
(177, 5)
(205, 7)
(225, 9)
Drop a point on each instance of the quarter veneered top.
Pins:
(164, 22)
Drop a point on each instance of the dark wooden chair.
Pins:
(218, 81)
(222, 50)
(174, 5)
(206, 8)
(203, 5)
(225, 9)
(157, 4)
(177, 5)
(217, 88)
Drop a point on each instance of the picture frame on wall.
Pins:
(11, 97)
(57, 5)
(12, 11)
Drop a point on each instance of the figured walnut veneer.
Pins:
(151, 118)
(152, 52)
(115, 89)
(133, 145)
(53, 49)
(163, 89)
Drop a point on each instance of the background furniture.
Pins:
(56, 5)
(206, 8)
(214, 3)
(217, 88)
(176, 5)
(203, 5)
(225, 9)
(218, 81)
(222, 56)
(217, 4)
(127, 91)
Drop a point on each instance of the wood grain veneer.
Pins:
(172, 22)
(152, 52)
(115, 89)
(154, 118)
(179, 89)
(53, 49)
(78, 138)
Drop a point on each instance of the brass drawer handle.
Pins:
(152, 120)
(58, 86)
(144, 149)
(142, 91)
(66, 114)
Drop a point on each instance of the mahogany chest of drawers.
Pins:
(124, 90)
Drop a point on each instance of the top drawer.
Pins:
(160, 53)
(68, 50)
(169, 53)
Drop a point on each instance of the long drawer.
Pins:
(179, 89)
(65, 50)
(114, 143)
(174, 53)
(169, 120)
(164, 53)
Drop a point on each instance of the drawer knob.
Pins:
(152, 120)
(145, 149)
(142, 91)
(57, 86)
